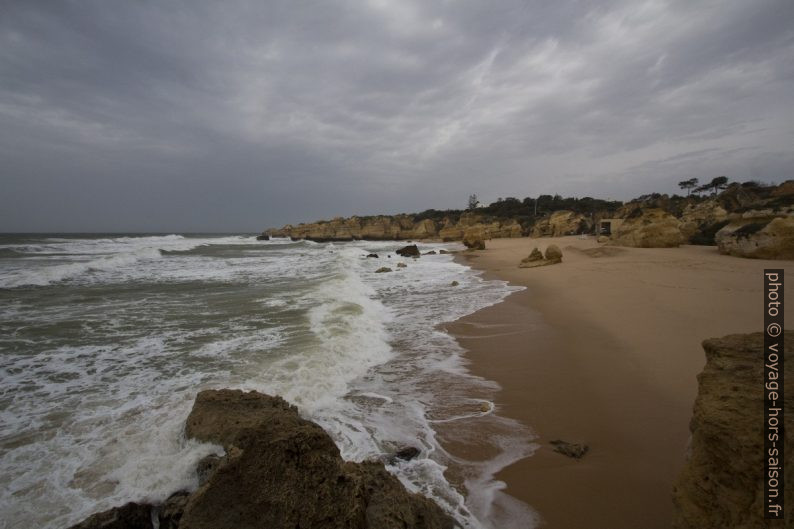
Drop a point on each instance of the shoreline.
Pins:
(604, 349)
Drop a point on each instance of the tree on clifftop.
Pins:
(473, 202)
(716, 184)
(688, 185)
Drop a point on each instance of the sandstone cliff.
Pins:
(563, 222)
(399, 227)
(721, 483)
(649, 228)
(280, 471)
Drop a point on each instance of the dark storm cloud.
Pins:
(235, 115)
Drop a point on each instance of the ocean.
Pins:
(106, 339)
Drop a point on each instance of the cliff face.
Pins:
(649, 228)
(562, 222)
(280, 471)
(721, 483)
(396, 228)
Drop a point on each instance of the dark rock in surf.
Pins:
(280, 472)
(405, 453)
(574, 450)
(128, 516)
(284, 471)
(263, 237)
(409, 251)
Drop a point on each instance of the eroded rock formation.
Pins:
(561, 223)
(758, 238)
(721, 484)
(398, 227)
(649, 228)
(280, 471)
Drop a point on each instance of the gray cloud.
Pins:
(214, 116)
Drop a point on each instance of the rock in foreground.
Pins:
(721, 484)
(283, 472)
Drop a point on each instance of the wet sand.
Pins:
(604, 348)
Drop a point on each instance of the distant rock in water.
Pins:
(383, 269)
(373, 255)
(280, 472)
(721, 485)
(409, 251)
(263, 237)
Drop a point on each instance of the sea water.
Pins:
(106, 339)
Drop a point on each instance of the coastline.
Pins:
(604, 348)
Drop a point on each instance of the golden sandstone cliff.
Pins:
(721, 485)
(401, 227)
(744, 220)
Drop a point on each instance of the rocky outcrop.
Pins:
(535, 258)
(698, 219)
(474, 237)
(129, 516)
(721, 483)
(562, 223)
(409, 251)
(553, 254)
(758, 238)
(649, 228)
(398, 227)
(281, 471)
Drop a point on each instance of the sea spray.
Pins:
(106, 340)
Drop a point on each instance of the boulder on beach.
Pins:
(722, 484)
(431, 252)
(535, 258)
(280, 471)
(442, 251)
(553, 254)
(373, 255)
(401, 265)
(409, 251)
(383, 269)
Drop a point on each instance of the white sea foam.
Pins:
(95, 393)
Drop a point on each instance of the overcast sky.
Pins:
(233, 115)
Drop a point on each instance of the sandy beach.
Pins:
(605, 348)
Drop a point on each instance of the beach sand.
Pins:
(605, 348)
